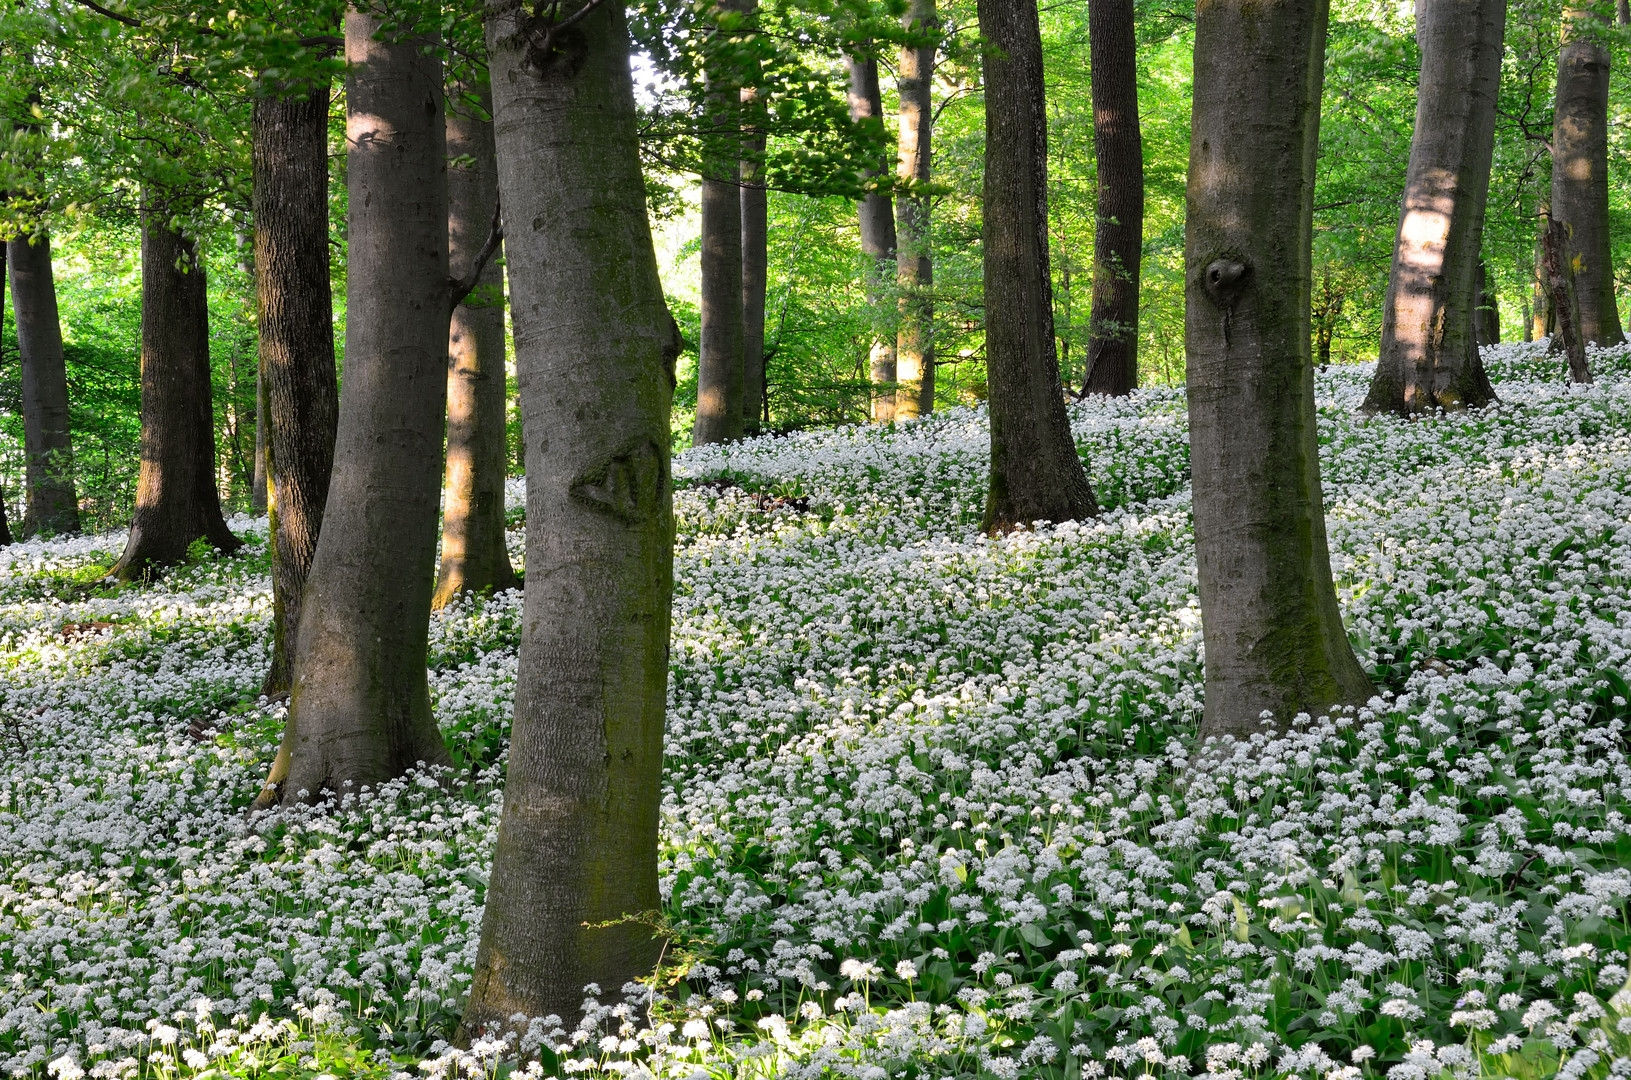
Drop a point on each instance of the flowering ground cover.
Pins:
(933, 805)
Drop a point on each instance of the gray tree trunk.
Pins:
(595, 347)
(876, 217)
(914, 265)
(5, 525)
(1486, 320)
(1036, 474)
(1273, 633)
(1565, 300)
(755, 256)
(47, 445)
(257, 496)
(1429, 353)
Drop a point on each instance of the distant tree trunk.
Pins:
(296, 374)
(47, 444)
(755, 256)
(1429, 353)
(1118, 238)
(1565, 301)
(474, 556)
(257, 494)
(1527, 318)
(914, 267)
(1622, 12)
(176, 500)
(1273, 632)
(5, 525)
(1486, 321)
(1036, 474)
(1580, 171)
(577, 844)
(360, 710)
(877, 221)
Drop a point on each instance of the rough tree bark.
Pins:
(47, 445)
(1429, 353)
(1118, 237)
(876, 216)
(1036, 474)
(1564, 300)
(257, 496)
(595, 347)
(914, 266)
(1273, 633)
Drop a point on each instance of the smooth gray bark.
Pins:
(914, 265)
(1118, 236)
(47, 444)
(876, 217)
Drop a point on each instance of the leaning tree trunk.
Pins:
(876, 216)
(360, 710)
(1564, 298)
(1272, 630)
(1118, 237)
(474, 556)
(577, 845)
(176, 500)
(1580, 171)
(47, 445)
(289, 146)
(1429, 353)
(1036, 474)
(914, 267)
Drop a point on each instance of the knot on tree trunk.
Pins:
(1224, 280)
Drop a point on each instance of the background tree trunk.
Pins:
(257, 494)
(755, 257)
(1036, 474)
(1118, 238)
(1429, 353)
(914, 266)
(474, 556)
(1273, 633)
(876, 214)
(5, 525)
(595, 347)
(1580, 171)
(48, 446)
(1486, 320)
(1565, 301)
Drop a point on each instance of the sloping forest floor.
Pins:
(927, 810)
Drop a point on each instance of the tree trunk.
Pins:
(1273, 633)
(1036, 474)
(474, 556)
(176, 500)
(755, 256)
(876, 217)
(914, 267)
(5, 525)
(1580, 171)
(1527, 318)
(1486, 320)
(1118, 237)
(289, 145)
(257, 494)
(1429, 353)
(595, 347)
(360, 710)
(1565, 301)
(47, 445)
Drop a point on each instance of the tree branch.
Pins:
(461, 288)
(114, 15)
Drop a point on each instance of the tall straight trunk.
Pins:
(1035, 472)
(5, 524)
(360, 712)
(755, 256)
(257, 494)
(1429, 353)
(595, 348)
(296, 374)
(176, 499)
(876, 216)
(474, 558)
(1580, 171)
(1486, 320)
(914, 266)
(1118, 236)
(47, 444)
(1273, 633)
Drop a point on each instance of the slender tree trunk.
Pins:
(1565, 301)
(176, 499)
(257, 494)
(1487, 318)
(1580, 171)
(914, 266)
(595, 347)
(360, 710)
(296, 373)
(474, 556)
(1527, 317)
(1035, 472)
(1273, 633)
(1429, 353)
(876, 216)
(47, 444)
(5, 525)
(1118, 238)
(755, 256)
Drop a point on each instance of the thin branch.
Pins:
(460, 288)
(114, 15)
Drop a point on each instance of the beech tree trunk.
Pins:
(47, 445)
(914, 266)
(595, 347)
(258, 485)
(1273, 633)
(474, 558)
(1036, 474)
(1486, 321)
(296, 372)
(1564, 296)
(176, 499)
(1429, 353)
(5, 525)
(1118, 237)
(755, 257)
(876, 215)
(1580, 171)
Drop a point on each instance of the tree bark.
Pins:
(1565, 300)
(1580, 171)
(595, 347)
(47, 445)
(755, 255)
(258, 485)
(1486, 321)
(1273, 634)
(1429, 352)
(474, 556)
(876, 216)
(176, 500)
(5, 525)
(1036, 474)
(914, 265)
(1118, 237)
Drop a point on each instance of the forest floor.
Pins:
(927, 805)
